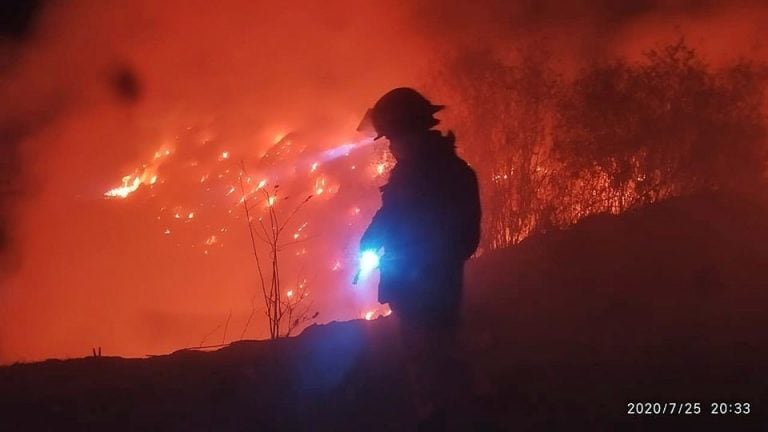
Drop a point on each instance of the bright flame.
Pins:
(147, 175)
(276, 138)
(129, 186)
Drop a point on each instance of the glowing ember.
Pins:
(224, 155)
(320, 186)
(378, 312)
(160, 153)
(289, 293)
(314, 167)
(380, 168)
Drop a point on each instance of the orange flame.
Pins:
(146, 175)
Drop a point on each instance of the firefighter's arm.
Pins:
(373, 238)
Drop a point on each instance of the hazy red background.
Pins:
(82, 271)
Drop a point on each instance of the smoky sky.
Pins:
(17, 18)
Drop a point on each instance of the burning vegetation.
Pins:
(614, 136)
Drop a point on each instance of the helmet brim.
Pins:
(367, 121)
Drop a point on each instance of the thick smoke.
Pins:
(99, 87)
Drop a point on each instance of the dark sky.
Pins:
(17, 16)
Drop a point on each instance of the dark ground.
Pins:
(667, 303)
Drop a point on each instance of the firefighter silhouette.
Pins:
(429, 221)
(427, 227)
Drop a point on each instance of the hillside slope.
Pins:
(667, 303)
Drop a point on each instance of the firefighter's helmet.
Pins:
(400, 111)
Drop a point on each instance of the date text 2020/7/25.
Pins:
(688, 408)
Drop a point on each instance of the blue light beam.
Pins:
(369, 261)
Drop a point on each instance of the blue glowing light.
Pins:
(369, 261)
